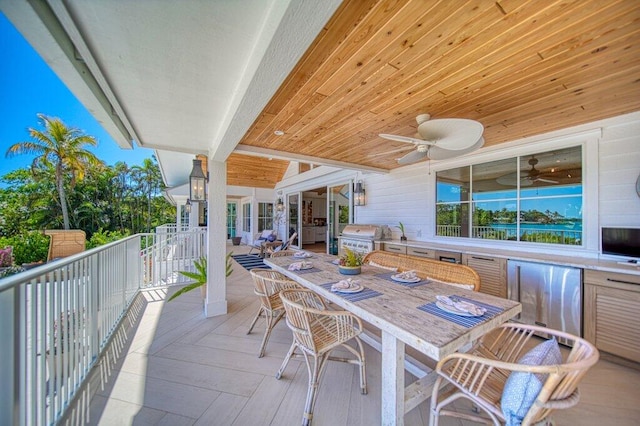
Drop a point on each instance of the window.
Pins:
(532, 198)
(246, 217)
(265, 216)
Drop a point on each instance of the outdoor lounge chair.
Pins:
(276, 246)
(261, 238)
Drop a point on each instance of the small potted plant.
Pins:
(350, 263)
(403, 237)
(200, 277)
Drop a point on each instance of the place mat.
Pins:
(353, 297)
(387, 276)
(467, 322)
(307, 271)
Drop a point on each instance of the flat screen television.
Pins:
(621, 242)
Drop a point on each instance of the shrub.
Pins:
(28, 247)
(102, 237)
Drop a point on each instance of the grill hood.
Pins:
(366, 232)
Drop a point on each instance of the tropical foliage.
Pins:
(67, 187)
(200, 275)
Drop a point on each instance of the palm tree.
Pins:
(62, 148)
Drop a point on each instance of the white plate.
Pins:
(304, 268)
(404, 280)
(301, 255)
(353, 289)
(455, 311)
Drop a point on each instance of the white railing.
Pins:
(531, 234)
(56, 319)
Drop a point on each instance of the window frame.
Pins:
(587, 140)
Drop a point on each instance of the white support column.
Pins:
(194, 221)
(216, 302)
(179, 206)
(392, 380)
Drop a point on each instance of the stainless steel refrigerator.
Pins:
(551, 295)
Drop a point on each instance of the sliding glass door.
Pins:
(293, 217)
(340, 214)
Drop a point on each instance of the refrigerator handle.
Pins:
(518, 273)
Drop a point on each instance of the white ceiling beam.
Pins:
(289, 156)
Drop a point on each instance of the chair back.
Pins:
(560, 390)
(283, 253)
(65, 242)
(302, 307)
(286, 245)
(267, 286)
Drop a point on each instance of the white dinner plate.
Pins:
(404, 280)
(302, 255)
(455, 311)
(304, 268)
(353, 289)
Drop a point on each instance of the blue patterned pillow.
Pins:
(522, 388)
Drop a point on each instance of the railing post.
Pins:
(9, 382)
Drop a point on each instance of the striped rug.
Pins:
(249, 261)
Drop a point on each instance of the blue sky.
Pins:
(28, 87)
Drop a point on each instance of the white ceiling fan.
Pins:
(530, 177)
(439, 139)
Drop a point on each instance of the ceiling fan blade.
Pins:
(452, 134)
(405, 139)
(511, 179)
(412, 157)
(545, 180)
(379, 154)
(438, 153)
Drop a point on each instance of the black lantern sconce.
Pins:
(359, 198)
(197, 182)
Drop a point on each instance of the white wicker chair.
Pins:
(480, 375)
(267, 286)
(316, 333)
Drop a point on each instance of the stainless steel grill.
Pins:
(360, 238)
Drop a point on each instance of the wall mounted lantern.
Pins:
(279, 205)
(359, 194)
(197, 182)
(187, 206)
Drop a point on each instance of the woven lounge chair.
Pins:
(484, 376)
(267, 286)
(316, 333)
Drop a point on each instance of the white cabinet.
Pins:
(319, 208)
(321, 234)
(308, 235)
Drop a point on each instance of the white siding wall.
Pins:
(611, 161)
(619, 161)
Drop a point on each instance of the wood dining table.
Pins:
(406, 314)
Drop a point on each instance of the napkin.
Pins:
(407, 275)
(461, 305)
(296, 266)
(301, 254)
(344, 284)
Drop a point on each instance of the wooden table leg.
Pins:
(392, 380)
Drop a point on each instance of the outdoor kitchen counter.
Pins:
(556, 259)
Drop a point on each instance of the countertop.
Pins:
(556, 259)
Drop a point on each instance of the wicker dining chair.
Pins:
(316, 333)
(267, 286)
(495, 376)
(283, 253)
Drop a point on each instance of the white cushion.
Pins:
(265, 234)
(388, 268)
(522, 389)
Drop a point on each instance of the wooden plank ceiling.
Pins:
(519, 67)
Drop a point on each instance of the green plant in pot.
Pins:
(401, 227)
(350, 262)
(200, 276)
